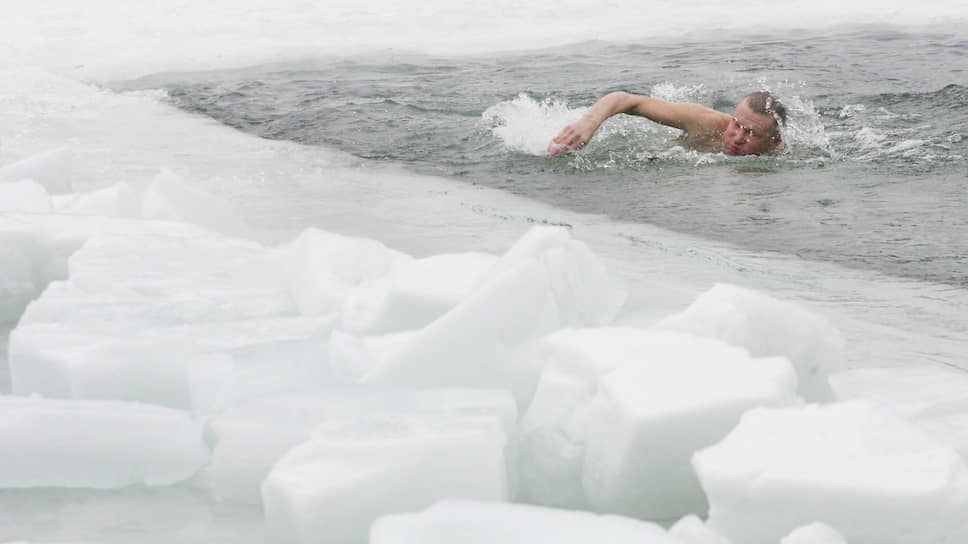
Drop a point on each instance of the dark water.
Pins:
(875, 174)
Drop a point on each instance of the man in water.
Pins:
(753, 129)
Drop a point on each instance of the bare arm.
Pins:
(682, 115)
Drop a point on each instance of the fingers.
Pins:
(568, 140)
(565, 134)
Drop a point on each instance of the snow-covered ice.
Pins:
(103, 444)
(768, 327)
(26, 196)
(854, 466)
(618, 412)
(332, 487)
(251, 436)
(815, 533)
(547, 280)
(933, 397)
(321, 267)
(498, 523)
(692, 530)
(413, 294)
(51, 169)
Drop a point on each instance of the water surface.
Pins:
(874, 175)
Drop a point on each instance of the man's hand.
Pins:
(574, 136)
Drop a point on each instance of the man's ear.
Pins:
(777, 141)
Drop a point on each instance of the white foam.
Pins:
(526, 125)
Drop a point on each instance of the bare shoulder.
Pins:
(706, 119)
(687, 116)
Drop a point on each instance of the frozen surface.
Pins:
(618, 412)
(414, 294)
(768, 327)
(547, 280)
(321, 267)
(815, 533)
(935, 398)
(152, 515)
(137, 322)
(200, 366)
(58, 443)
(118, 200)
(499, 523)
(647, 420)
(51, 169)
(24, 196)
(349, 473)
(692, 530)
(914, 391)
(251, 436)
(169, 197)
(853, 465)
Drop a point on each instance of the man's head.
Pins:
(755, 126)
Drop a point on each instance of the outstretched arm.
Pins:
(682, 115)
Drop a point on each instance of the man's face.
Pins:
(750, 133)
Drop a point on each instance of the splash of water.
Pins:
(527, 125)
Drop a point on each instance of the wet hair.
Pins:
(766, 103)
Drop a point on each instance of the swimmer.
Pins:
(752, 129)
